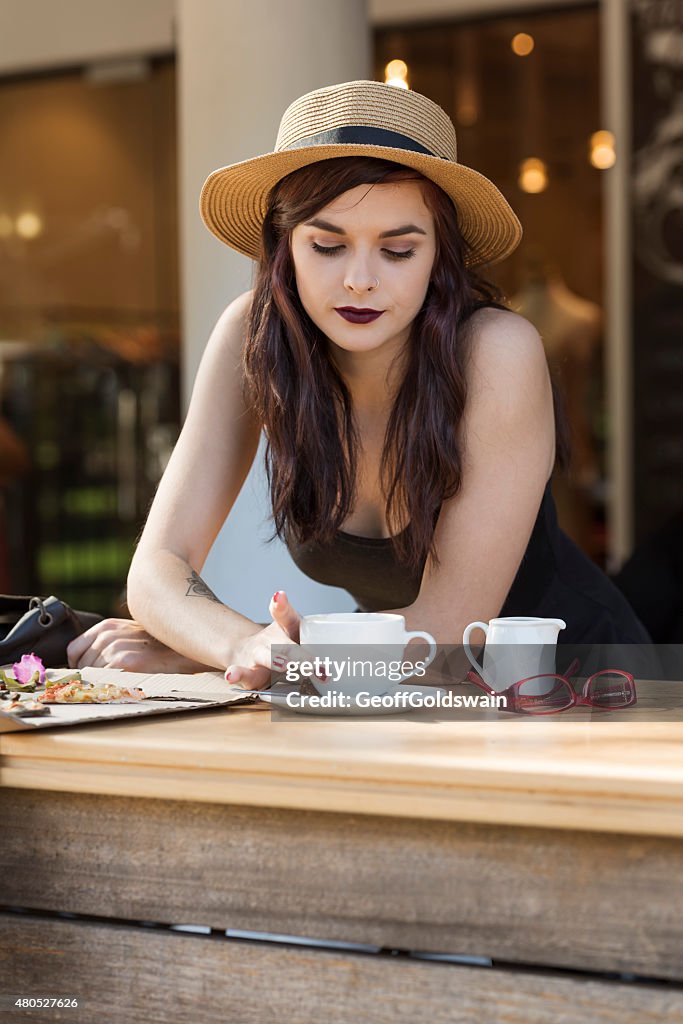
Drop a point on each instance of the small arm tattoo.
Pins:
(198, 588)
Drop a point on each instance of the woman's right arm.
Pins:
(205, 473)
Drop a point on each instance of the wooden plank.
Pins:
(525, 800)
(579, 773)
(128, 975)
(593, 902)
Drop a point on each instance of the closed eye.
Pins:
(332, 250)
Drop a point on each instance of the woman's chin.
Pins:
(362, 338)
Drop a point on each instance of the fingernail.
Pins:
(275, 596)
(227, 677)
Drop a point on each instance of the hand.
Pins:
(253, 663)
(125, 644)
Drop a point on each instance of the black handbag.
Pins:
(42, 626)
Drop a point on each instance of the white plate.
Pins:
(279, 700)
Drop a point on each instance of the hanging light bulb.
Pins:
(522, 44)
(533, 175)
(396, 73)
(602, 152)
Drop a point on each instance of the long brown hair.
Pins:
(304, 404)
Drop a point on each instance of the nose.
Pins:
(359, 278)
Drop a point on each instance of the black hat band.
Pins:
(360, 134)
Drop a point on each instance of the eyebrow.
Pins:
(405, 229)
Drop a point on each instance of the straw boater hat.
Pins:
(360, 119)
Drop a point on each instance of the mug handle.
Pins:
(466, 644)
(432, 648)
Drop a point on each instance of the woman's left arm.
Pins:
(507, 435)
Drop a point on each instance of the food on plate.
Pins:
(24, 708)
(83, 692)
(8, 683)
(28, 674)
(72, 677)
(25, 675)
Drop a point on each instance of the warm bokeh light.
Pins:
(396, 73)
(602, 153)
(6, 226)
(533, 175)
(467, 104)
(29, 225)
(396, 69)
(522, 44)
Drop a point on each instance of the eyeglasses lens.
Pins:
(610, 690)
(543, 694)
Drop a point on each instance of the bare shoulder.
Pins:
(233, 319)
(505, 349)
(220, 370)
(504, 331)
(509, 393)
(240, 306)
(223, 351)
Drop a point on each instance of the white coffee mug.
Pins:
(517, 647)
(378, 638)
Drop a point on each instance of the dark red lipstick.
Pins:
(358, 316)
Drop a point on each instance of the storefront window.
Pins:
(89, 325)
(524, 94)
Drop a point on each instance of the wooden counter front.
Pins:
(553, 853)
(579, 770)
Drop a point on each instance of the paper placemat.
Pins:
(183, 692)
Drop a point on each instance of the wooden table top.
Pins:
(597, 771)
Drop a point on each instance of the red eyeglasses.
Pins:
(608, 690)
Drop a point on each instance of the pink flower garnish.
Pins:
(25, 670)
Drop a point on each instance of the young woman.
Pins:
(411, 421)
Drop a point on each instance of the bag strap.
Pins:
(45, 617)
(51, 611)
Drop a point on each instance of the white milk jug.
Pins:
(517, 647)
